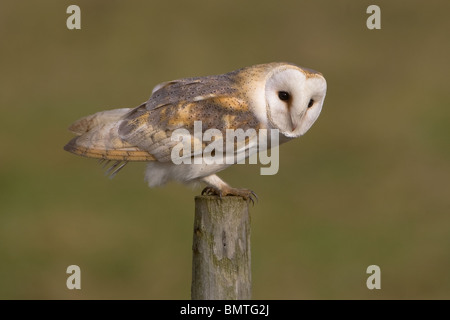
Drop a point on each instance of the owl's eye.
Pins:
(310, 103)
(283, 95)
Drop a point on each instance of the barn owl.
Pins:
(280, 96)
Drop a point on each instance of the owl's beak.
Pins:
(294, 121)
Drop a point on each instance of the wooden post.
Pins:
(221, 249)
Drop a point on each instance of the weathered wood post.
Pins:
(221, 249)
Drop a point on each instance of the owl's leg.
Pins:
(218, 187)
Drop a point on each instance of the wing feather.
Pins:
(125, 154)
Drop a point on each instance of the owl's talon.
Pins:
(253, 197)
(246, 194)
(211, 191)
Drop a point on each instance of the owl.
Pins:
(274, 96)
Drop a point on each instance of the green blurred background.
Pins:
(368, 184)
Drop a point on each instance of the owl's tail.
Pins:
(98, 137)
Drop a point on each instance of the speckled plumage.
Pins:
(238, 99)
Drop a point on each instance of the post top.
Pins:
(228, 199)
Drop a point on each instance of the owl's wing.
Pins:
(215, 101)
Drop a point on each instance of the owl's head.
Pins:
(293, 98)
